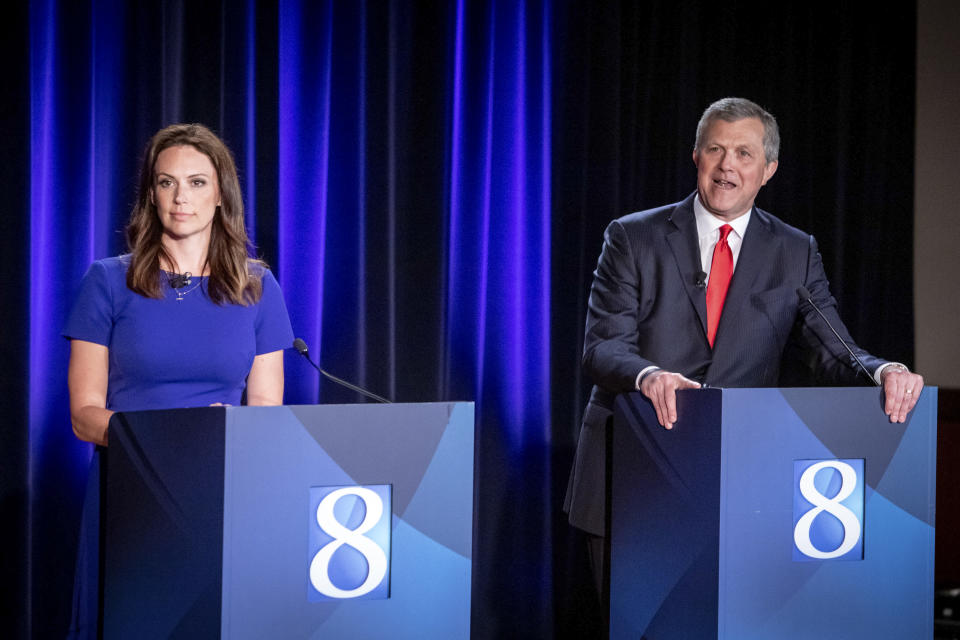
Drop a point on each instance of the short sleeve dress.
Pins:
(182, 350)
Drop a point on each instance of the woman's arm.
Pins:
(265, 382)
(87, 380)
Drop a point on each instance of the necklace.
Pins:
(180, 294)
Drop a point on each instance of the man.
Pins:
(704, 292)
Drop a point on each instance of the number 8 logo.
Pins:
(821, 503)
(371, 551)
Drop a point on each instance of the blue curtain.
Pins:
(410, 232)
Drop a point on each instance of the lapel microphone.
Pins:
(700, 280)
(180, 280)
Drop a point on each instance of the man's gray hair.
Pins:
(733, 109)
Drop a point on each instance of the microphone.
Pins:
(804, 294)
(301, 348)
(700, 280)
(179, 281)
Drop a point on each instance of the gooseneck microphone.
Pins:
(301, 348)
(804, 294)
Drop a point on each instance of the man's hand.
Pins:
(661, 387)
(902, 389)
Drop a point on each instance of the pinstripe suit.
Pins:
(646, 309)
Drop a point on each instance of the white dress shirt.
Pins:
(708, 232)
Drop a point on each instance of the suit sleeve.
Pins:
(610, 354)
(822, 352)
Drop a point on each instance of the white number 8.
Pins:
(851, 525)
(372, 553)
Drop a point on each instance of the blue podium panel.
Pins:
(335, 521)
(796, 513)
(275, 460)
(764, 592)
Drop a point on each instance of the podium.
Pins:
(716, 525)
(333, 521)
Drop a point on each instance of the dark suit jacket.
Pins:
(646, 309)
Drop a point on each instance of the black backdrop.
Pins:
(632, 80)
(629, 80)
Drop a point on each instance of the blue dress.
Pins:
(170, 353)
(183, 350)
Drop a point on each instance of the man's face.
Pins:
(731, 167)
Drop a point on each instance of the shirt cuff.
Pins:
(878, 374)
(643, 374)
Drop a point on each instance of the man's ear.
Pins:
(768, 171)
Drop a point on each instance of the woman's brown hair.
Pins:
(231, 278)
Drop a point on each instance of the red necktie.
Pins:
(721, 270)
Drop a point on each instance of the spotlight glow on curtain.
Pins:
(412, 210)
(499, 241)
(74, 191)
(75, 195)
(304, 156)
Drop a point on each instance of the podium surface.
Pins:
(714, 523)
(333, 521)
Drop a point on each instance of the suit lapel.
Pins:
(758, 250)
(685, 246)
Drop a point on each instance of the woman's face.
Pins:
(185, 191)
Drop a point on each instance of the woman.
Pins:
(185, 319)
